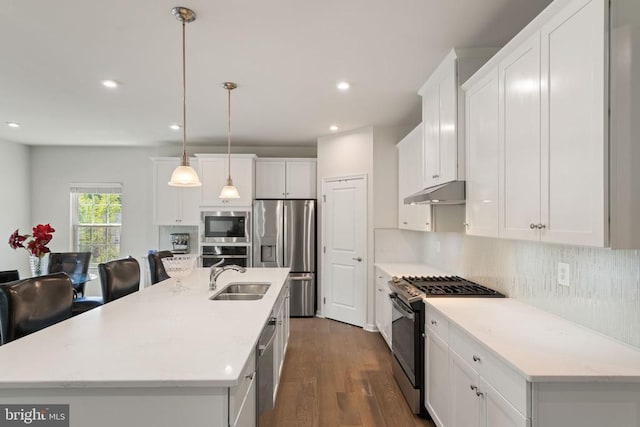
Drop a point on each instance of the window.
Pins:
(96, 219)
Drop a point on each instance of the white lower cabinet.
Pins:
(281, 313)
(465, 404)
(466, 386)
(437, 378)
(242, 398)
(497, 411)
(475, 403)
(247, 414)
(383, 308)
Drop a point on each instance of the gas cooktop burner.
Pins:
(441, 286)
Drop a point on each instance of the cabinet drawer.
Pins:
(435, 322)
(237, 394)
(506, 381)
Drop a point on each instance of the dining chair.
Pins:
(75, 264)
(9, 276)
(119, 278)
(156, 268)
(32, 304)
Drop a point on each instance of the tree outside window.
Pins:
(97, 215)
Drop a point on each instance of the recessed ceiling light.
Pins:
(175, 127)
(13, 124)
(343, 85)
(111, 84)
(333, 128)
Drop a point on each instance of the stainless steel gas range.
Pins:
(408, 326)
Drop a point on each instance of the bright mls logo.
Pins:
(34, 415)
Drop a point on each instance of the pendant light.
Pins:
(229, 191)
(184, 175)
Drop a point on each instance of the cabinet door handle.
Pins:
(479, 393)
(405, 222)
(533, 226)
(250, 376)
(434, 322)
(473, 387)
(541, 226)
(359, 259)
(476, 358)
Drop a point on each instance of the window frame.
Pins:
(76, 189)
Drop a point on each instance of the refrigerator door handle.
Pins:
(293, 277)
(285, 261)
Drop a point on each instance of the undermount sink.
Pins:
(242, 291)
(246, 288)
(237, 297)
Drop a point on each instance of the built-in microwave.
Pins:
(226, 227)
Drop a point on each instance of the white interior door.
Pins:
(344, 235)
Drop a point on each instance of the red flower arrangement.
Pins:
(40, 238)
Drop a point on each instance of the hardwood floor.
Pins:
(338, 375)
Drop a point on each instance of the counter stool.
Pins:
(33, 304)
(156, 268)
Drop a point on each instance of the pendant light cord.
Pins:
(229, 132)
(185, 160)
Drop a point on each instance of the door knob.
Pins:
(359, 259)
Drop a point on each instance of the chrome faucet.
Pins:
(217, 271)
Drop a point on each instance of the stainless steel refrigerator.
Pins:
(284, 235)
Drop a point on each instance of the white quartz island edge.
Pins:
(162, 357)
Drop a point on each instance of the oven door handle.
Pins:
(400, 306)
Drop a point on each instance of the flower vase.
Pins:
(36, 264)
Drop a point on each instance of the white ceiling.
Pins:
(285, 55)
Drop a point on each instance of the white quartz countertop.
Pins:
(160, 336)
(410, 269)
(541, 346)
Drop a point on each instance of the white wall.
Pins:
(53, 169)
(604, 291)
(15, 211)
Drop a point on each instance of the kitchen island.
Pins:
(164, 356)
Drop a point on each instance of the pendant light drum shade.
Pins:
(184, 175)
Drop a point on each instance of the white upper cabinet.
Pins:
(439, 103)
(573, 117)
(443, 149)
(482, 192)
(411, 217)
(552, 128)
(285, 179)
(552, 142)
(173, 205)
(213, 170)
(520, 141)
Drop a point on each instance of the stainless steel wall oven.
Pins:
(221, 255)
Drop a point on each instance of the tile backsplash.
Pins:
(604, 285)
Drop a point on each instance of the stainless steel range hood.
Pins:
(451, 193)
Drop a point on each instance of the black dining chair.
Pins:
(75, 264)
(32, 304)
(156, 268)
(9, 276)
(119, 278)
